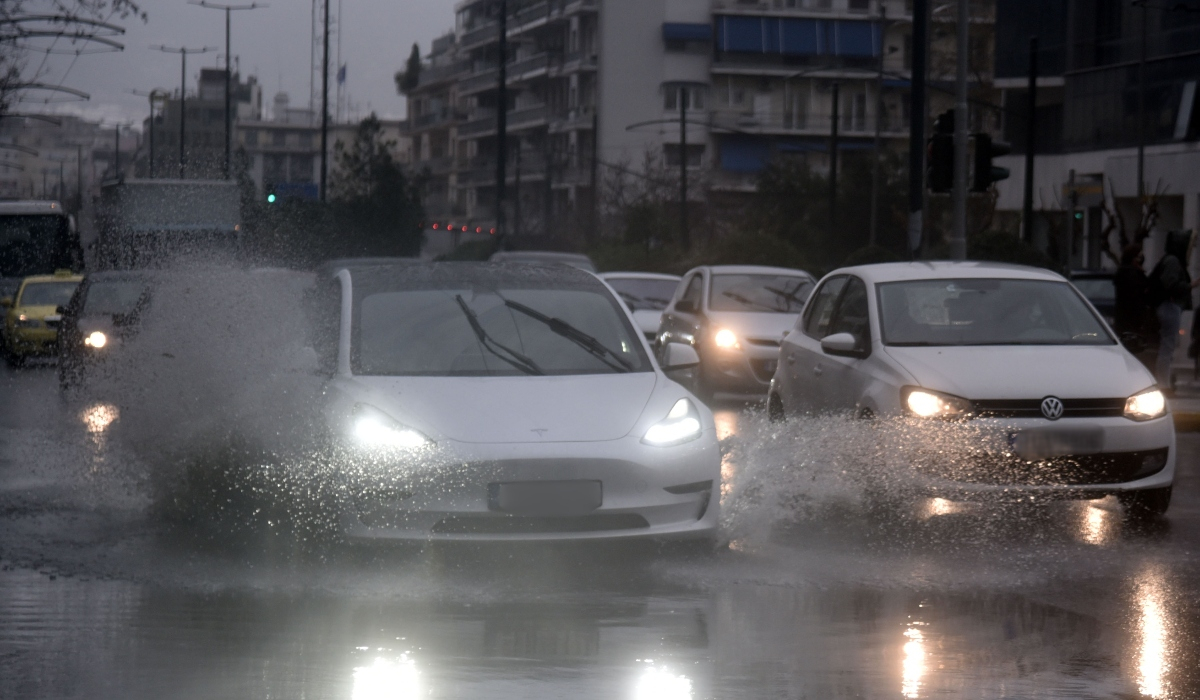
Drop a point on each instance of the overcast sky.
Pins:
(271, 43)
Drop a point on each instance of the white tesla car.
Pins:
(734, 316)
(646, 294)
(474, 401)
(1016, 351)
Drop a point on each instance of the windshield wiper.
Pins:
(573, 334)
(788, 295)
(517, 360)
(749, 302)
(630, 299)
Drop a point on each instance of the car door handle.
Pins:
(818, 370)
(791, 358)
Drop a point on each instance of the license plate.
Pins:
(545, 497)
(1056, 442)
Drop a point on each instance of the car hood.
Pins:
(580, 408)
(1025, 372)
(754, 325)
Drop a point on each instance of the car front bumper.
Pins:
(1130, 456)
(32, 341)
(448, 495)
(743, 370)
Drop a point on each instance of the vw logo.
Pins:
(1052, 407)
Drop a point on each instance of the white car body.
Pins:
(545, 257)
(1005, 385)
(648, 320)
(525, 429)
(745, 368)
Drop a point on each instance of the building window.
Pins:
(694, 96)
(306, 139)
(250, 137)
(278, 138)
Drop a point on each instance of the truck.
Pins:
(36, 238)
(147, 222)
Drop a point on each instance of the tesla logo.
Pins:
(540, 431)
(1052, 408)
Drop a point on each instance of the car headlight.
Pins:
(681, 425)
(725, 338)
(933, 404)
(1147, 405)
(95, 339)
(372, 428)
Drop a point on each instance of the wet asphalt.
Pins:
(106, 594)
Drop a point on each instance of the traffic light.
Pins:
(940, 156)
(985, 173)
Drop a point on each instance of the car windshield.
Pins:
(986, 312)
(28, 243)
(783, 294)
(47, 293)
(114, 297)
(503, 330)
(1098, 290)
(641, 294)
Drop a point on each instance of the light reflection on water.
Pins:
(387, 679)
(1154, 635)
(1099, 527)
(914, 663)
(98, 417)
(660, 684)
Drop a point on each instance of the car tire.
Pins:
(775, 412)
(1146, 504)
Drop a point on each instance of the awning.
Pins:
(744, 155)
(686, 31)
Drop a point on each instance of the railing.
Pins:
(480, 35)
(526, 65)
(435, 74)
(441, 116)
(478, 81)
(525, 116)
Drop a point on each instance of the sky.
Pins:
(271, 43)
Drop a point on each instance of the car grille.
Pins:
(1032, 408)
(1077, 470)
(527, 525)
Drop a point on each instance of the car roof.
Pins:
(1091, 274)
(638, 276)
(34, 279)
(440, 275)
(946, 269)
(753, 270)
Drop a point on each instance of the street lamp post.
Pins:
(183, 52)
(228, 69)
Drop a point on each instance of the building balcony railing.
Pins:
(525, 19)
(519, 69)
(436, 74)
(809, 124)
(571, 119)
(443, 116)
(480, 35)
(480, 81)
(485, 120)
(437, 166)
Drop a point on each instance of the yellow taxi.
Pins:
(31, 318)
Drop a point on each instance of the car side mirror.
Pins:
(844, 344)
(677, 356)
(685, 306)
(60, 310)
(6, 302)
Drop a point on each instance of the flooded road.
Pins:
(104, 595)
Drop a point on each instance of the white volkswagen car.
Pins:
(1060, 407)
(474, 401)
(734, 316)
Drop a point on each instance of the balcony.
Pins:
(480, 35)
(528, 67)
(431, 119)
(571, 119)
(436, 74)
(484, 122)
(480, 81)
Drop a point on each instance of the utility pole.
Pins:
(183, 54)
(833, 161)
(116, 159)
(228, 71)
(1141, 148)
(875, 174)
(958, 236)
(516, 222)
(684, 234)
(502, 123)
(325, 105)
(78, 179)
(1030, 142)
(916, 128)
(595, 224)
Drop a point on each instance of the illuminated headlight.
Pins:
(1148, 405)
(681, 425)
(95, 339)
(371, 428)
(933, 404)
(725, 338)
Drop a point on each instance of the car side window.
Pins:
(852, 314)
(820, 308)
(694, 290)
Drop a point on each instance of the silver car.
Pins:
(735, 317)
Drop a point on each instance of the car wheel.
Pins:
(1146, 504)
(775, 412)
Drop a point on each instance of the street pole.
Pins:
(502, 123)
(684, 236)
(229, 71)
(183, 54)
(833, 162)
(875, 174)
(78, 179)
(916, 128)
(1030, 142)
(516, 222)
(116, 159)
(1141, 147)
(958, 236)
(595, 223)
(325, 105)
